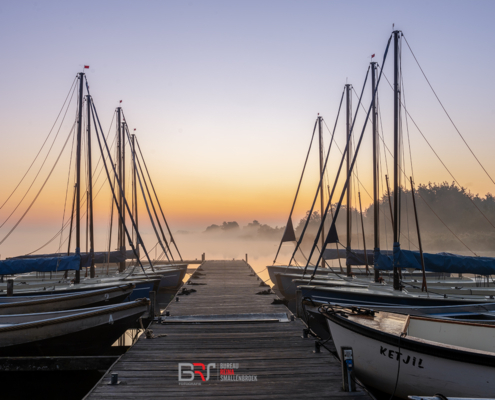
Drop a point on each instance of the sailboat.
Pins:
(89, 331)
(409, 342)
(287, 279)
(406, 355)
(168, 277)
(282, 275)
(47, 303)
(402, 291)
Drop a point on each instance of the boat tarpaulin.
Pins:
(440, 262)
(100, 257)
(383, 260)
(353, 257)
(48, 264)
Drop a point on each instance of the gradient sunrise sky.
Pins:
(224, 95)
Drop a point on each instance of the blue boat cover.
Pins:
(353, 257)
(440, 262)
(100, 257)
(23, 265)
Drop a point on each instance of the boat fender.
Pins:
(441, 396)
(110, 320)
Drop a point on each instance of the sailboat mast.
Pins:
(119, 171)
(396, 152)
(322, 202)
(134, 191)
(90, 194)
(122, 180)
(376, 176)
(78, 175)
(348, 118)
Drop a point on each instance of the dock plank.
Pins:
(283, 362)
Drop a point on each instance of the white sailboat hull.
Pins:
(376, 364)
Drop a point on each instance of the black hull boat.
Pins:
(84, 332)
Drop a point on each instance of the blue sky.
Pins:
(224, 94)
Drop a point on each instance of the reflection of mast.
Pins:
(90, 194)
(348, 166)
(376, 176)
(320, 132)
(396, 152)
(78, 176)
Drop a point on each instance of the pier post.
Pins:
(10, 287)
(348, 379)
(203, 257)
(246, 258)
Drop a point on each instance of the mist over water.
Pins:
(451, 219)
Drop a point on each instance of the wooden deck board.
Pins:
(275, 352)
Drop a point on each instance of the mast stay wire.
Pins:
(83, 202)
(83, 214)
(138, 165)
(351, 166)
(66, 224)
(364, 188)
(172, 240)
(139, 172)
(143, 193)
(441, 161)
(403, 172)
(66, 194)
(41, 189)
(297, 190)
(327, 183)
(329, 203)
(42, 165)
(444, 109)
(320, 182)
(43, 145)
(401, 144)
(97, 119)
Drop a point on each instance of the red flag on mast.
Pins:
(86, 66)
(372, 56)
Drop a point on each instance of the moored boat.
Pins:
(69, 333)
(71, 301)
(404, 355)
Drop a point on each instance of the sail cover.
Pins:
(440, 262)
(100, 257)
(48, 264)
(353, 257)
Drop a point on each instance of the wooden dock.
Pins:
(258, 352)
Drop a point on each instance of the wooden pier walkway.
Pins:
(227, 323)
